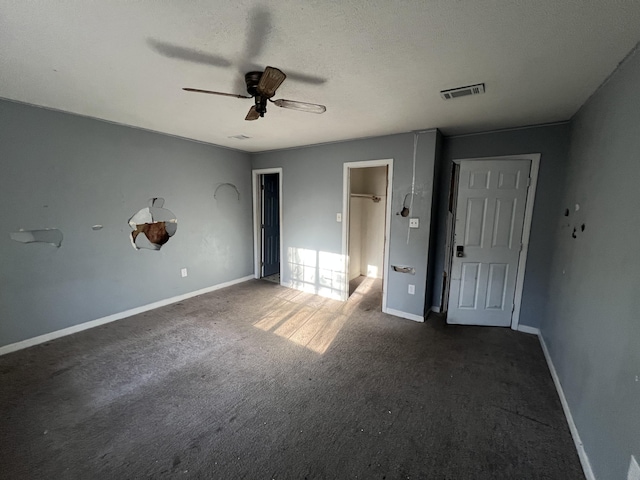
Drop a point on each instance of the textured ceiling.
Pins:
(377, 65)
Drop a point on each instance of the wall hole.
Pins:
(52, 236)
(153, 226)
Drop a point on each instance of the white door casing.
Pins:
(346, 190)
(489, 220)
(257, 218)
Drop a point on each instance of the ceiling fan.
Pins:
(261, 86)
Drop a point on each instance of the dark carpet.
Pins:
(257, 381)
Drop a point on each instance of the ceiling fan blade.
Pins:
(253, 114)
(302, 106)
(269, 82)
(211, 92)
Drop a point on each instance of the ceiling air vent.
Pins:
(462, 91)
(240, 137)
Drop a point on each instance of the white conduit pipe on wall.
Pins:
(413, 180)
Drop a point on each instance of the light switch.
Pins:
(183, 272)
(414, 222)
(412, 289)
(338, 217)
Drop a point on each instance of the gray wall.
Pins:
(592, 327)
(69, 172)
(552, 142)
(312, 195)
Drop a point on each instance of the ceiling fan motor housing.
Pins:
(252, 79)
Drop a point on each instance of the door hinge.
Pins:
(262, 225)
(528, 181)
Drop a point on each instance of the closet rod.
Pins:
(375, 198)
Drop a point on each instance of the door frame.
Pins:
(257, 211)
(346, 190)
(526, 231)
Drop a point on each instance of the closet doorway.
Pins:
(267, 221)
(366, 225)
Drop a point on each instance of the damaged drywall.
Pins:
(52, 236)
(576, 229)
(230, 185)
(153, 226)
(404, 269)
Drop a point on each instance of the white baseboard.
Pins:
(528, 329)
(435, 309)
(116, 316)
(582, 454)
(408, 316)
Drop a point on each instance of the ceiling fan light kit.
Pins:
(261, 86)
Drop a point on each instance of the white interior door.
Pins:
(487, 241)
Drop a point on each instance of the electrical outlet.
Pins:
(338, 217)
(634, 469)
(183, 272)
(412, 289)
(414, 223)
